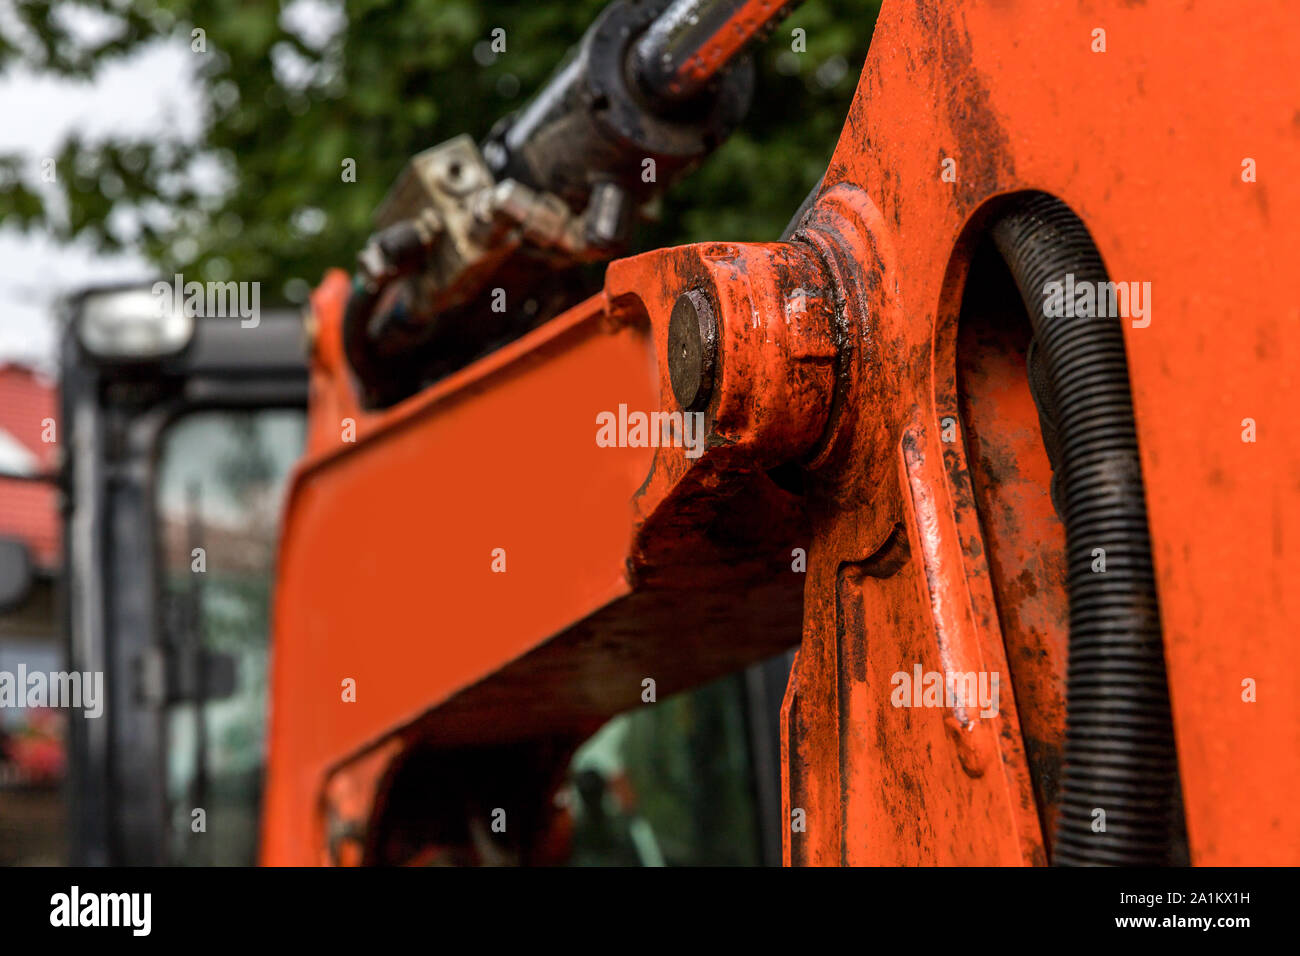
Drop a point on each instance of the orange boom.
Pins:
(996, 436)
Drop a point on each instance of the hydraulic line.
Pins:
(1119, 749)
(683, 50)
(651, 89)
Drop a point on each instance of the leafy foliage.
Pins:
(260, 194)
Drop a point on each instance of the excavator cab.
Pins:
(178, 433)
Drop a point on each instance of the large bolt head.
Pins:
(692, 350)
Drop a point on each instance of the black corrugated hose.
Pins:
(1119, 749)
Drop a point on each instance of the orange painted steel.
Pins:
(860, 354)
(745, 23)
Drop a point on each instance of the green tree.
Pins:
(283, 111)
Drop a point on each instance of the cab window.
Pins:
(220, 490)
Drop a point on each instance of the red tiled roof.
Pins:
(28, 509)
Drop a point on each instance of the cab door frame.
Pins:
(113, 416)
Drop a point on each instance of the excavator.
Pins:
(972, 553)
(1028, 532)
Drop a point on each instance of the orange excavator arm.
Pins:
(909, 461)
